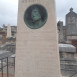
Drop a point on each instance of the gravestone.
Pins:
(37, 53)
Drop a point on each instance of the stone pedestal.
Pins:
(37, 53)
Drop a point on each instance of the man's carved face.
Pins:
(35, 15)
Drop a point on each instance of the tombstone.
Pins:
(37, 53)
(8, 31)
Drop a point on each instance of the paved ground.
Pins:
(5, 75)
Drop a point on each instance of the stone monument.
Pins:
(9, 31)
(37, 53)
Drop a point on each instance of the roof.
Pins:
(7, 44)
(67, 48)
(72, 14)
(5, 54)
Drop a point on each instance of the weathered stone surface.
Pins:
(9, 31)
(37, 49)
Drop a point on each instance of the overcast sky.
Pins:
(9, 8)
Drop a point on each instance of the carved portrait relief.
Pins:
(35, 16)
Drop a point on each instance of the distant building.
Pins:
(8, 38)
(2, 37)
(13, 30)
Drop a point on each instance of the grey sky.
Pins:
(9, 8)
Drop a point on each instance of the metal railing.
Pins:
(7, 66)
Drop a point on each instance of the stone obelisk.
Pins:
(37, 53)
(9, 31)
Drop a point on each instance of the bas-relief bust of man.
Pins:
(34, 16)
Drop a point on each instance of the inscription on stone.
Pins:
(23, 1)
